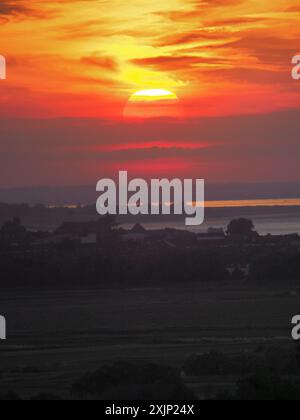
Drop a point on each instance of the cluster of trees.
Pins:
(132, 381)
(267, 374)
(271, 374)
(122, 381)
(66, 268)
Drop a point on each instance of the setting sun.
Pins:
(152, 103)
(151, 95)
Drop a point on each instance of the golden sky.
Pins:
(86, 57)
(72, 65)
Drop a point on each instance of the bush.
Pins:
(126, 381)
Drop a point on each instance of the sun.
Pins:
(152, 103)
(152, 95)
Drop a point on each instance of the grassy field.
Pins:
(55, 336)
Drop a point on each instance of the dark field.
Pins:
(55, 336)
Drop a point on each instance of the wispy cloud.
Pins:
(12, 7)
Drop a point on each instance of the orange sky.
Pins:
(83, 59)
(86, 57)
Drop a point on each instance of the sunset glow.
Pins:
(120, 75)
(86, 57)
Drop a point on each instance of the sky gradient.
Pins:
(72, 66)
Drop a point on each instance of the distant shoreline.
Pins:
(276, 216)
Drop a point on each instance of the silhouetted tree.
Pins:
(240, 227)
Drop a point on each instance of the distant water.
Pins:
(277, 217)
(274, 216)
(264, 224)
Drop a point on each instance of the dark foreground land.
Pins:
(54, 337)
